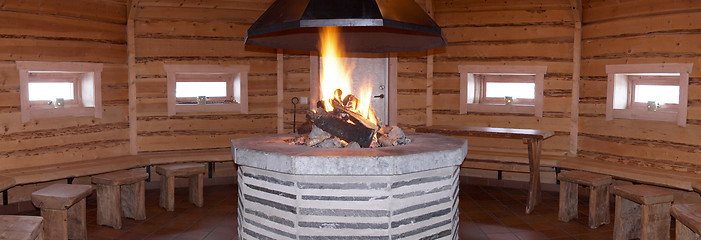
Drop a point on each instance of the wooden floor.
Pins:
(485, 213)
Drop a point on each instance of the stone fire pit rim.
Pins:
(425, 152)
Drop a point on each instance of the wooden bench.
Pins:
(688, 221)
(63, 208)
(642, 211)
(639, 174)
(74, 169)
(120, 193)
(193, 171)
(69, 171)
(21, 227)
(598, 196)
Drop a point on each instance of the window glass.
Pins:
(195, 89)
(515, 90)
(658, 93)
(50, 90)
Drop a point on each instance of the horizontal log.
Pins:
(597, 66)
(223, 123)
(197, 14)
(637, 129)
(659, 45)
(610, 11)
(190, 28)
(560, 66)
(506, 121)
(495, 5)
(11, 123)
(191, 142)
(222, 4)
(50, 50)
(504, 18)
(58, 142)
(24, 25)
(154, 67)
(653, 153)
(516, 50)
(104, 11)
(63, 154)
(150, 47)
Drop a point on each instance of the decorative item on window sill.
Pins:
(508, 100)
(202, 100)
(59, 103)
(652, 106)
(230, 101)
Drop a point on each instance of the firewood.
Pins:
(344, 130)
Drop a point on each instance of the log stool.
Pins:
(688, 221)
(63, 209)
(642, 212)
(598, 196)
(194, 171)
(120, 193)
(21, 227)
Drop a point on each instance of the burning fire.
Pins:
(336, 74)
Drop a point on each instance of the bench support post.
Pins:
(4, 197)
(210, 167)
(148, 170)
(70, 180)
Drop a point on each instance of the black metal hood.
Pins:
(366, 25)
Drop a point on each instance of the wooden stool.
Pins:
(21, 227)
(642, 212)
(120, 193)
(598, 196)
(194, 171)
(688, 221)
(63, 209)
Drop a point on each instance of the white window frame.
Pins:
(622, 79)
(87, 87)
(473, 78)
(236, 77)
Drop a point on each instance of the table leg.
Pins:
(534, 165)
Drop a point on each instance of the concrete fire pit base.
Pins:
(297, 192)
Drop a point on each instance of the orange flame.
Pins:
(336, 73)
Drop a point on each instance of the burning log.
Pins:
(343, 129)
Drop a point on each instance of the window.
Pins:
(502, 89)
(207, 88)
(655, 92)
(59, 89)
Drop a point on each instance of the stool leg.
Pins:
(599, 206)
(108, 207)
(627, 219)
(77, 227)
(55, 223)
(196, 196)
(167, 198)
(655, 221)
(683, 232)
(568, 201)
(133, 205)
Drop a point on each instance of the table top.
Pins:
(487, 131)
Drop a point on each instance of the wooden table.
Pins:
(532, 136)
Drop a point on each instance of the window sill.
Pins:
(195, 108)
(500, 108)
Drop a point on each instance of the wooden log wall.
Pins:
(199, 32)
(79, 31)
(533, 33)
(632, 32)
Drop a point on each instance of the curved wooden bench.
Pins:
(688, 221)
(21, 227)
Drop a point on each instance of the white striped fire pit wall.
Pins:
(298, 192)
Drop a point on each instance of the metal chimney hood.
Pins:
(365, 25)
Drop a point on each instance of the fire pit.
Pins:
(299, 192)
